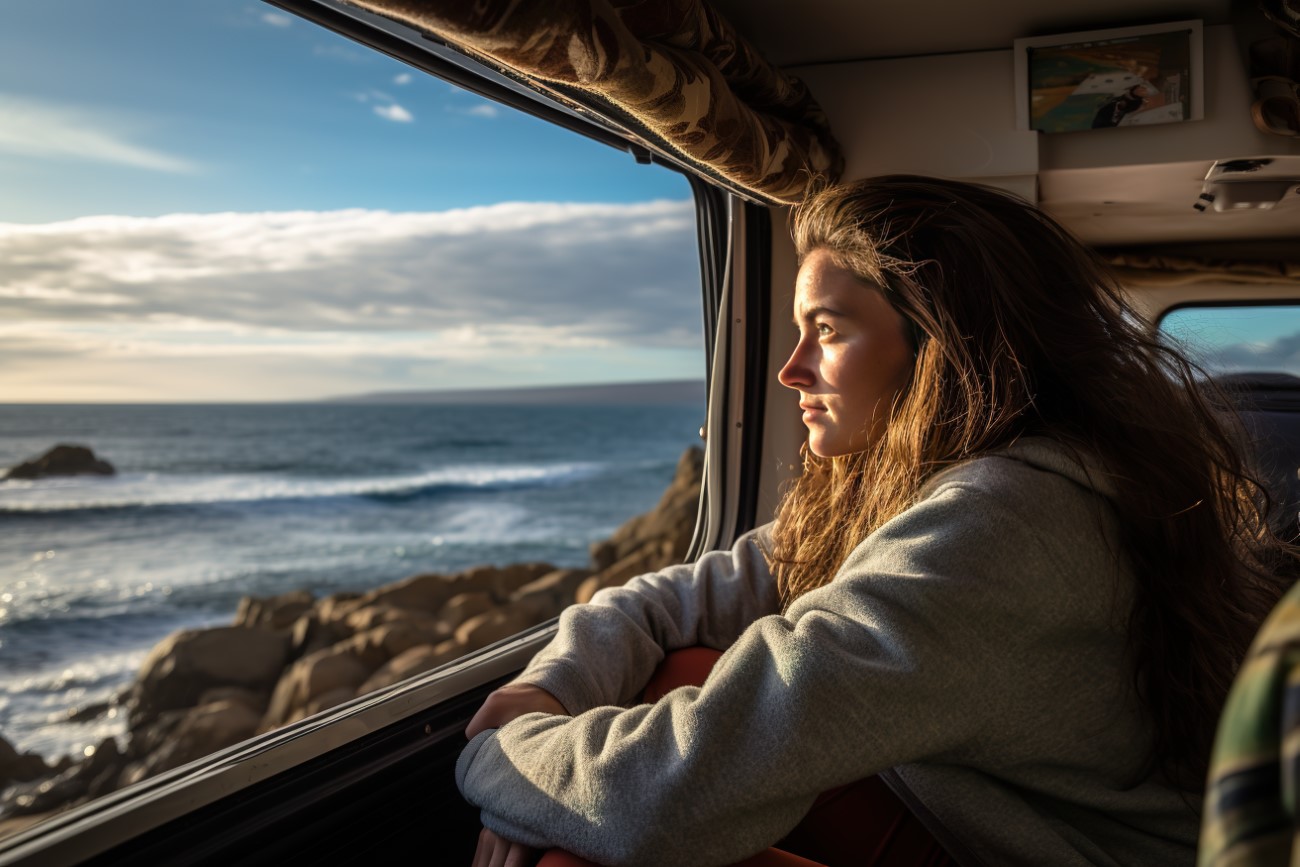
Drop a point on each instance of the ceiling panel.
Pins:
(815, 31)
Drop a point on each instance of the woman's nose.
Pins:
(796, 373)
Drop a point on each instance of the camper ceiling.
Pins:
(821, 31)
(928, 88)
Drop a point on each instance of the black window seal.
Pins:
(758, 316)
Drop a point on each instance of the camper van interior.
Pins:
(1187, 182)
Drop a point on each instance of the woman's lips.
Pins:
(812, 411)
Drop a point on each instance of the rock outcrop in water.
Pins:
(289, 656)
(62, 460)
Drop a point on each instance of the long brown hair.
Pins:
(1020, 330)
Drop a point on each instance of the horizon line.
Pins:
(370, 395)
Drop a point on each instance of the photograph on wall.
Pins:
(1126, 79)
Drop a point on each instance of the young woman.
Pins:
(1012, 583)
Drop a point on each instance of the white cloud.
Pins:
(483, 111)
(394, 112)
(35, 129)
(277, 19)
(1280, 354)
(276, 301)
(402, 78)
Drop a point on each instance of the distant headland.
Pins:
(658, 392)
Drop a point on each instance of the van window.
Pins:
(318, 373)
(1249, 338)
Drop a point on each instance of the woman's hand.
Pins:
(506, 703)
(496, 851)
(501, 707)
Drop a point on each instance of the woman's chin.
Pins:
(824, 449)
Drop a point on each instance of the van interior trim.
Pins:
(758, 321)
(712, 228)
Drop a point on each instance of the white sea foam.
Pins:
(35, 706)
(145, 490)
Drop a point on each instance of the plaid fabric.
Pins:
(675, 66)
(1250, 803)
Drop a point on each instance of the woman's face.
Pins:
(852, 358)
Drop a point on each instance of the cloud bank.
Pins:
(317, 303)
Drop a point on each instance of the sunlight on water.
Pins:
(36, 705)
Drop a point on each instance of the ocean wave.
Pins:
(151, 490)
(99, 669)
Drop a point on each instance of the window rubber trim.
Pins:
(712, 233)
(758, 320)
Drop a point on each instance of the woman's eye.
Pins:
(824, 330)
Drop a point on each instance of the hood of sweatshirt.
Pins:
(1052, 456)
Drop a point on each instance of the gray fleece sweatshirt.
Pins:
(971, 650)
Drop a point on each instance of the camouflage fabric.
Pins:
(1251, 796)
(675, 66)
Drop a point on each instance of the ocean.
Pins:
(213, 503)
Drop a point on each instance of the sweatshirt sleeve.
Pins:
(881, 667)
(606, 650)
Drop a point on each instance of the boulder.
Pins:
(255, 701)
(672, 520)
(365, 619)
(411, 662)
(311, 633)
(500, 581)
(273, 612)
(325, 701)
(18, 767)
(310, 677)
(374, 647)
(559, 587)
(425, 593)
(192, 734)
(93, 776)
(62, 460)
(492, 626)
(463, 606)
(90, 712)
(511, 578)
(189, 662)
(649, 557)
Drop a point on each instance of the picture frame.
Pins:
(1120, 76)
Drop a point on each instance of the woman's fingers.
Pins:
(510, 701)
(495, 851)
(521, 856)
(483, 852)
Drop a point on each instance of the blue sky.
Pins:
(205, 200)
(1253, 337)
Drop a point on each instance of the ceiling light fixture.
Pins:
(1252, 183)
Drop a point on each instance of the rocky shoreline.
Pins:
(289, 656)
